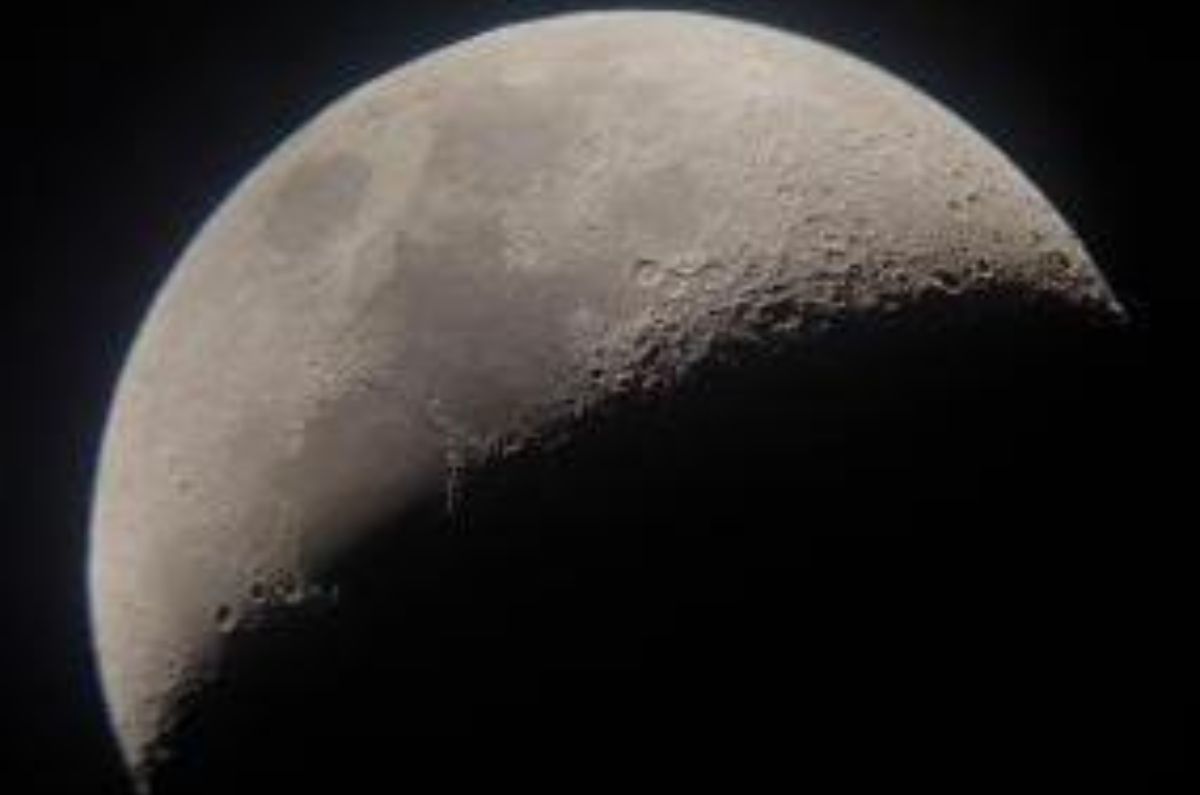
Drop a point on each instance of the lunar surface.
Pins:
(501, 305)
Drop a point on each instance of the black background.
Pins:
(124, 126)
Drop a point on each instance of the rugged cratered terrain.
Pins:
(558, 298)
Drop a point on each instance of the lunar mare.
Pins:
(476, 250)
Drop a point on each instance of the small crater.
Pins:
(647, 272)
(947, 280)
(225, 618)
(1057, 263)
(287, 591)
(258, 591)
(776, 316)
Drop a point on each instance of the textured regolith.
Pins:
(468, 258)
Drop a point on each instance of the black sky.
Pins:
(126, 125)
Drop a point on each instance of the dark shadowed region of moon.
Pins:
(590, 397)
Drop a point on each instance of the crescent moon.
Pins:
(469, 259)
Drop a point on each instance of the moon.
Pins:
(495, 255)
